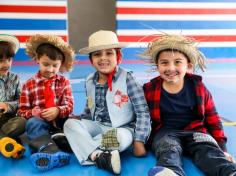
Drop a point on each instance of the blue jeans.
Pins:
(36, 127)
(202, 148)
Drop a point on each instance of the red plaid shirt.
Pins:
(33, 95)
(208, 119)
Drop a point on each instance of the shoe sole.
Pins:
(47, 161)
(115, 162)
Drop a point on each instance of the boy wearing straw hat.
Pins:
(184, 117)
(11, 127)
(46, 99)
(116, 112)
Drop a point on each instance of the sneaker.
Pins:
(233, 174)
(109, 160)
(47, 161)
(62, 142)
(10, 148)
(160, 171)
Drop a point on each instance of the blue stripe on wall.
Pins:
(159, 25)
(29, 24)
(21, 55)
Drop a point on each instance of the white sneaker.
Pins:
(109, 161)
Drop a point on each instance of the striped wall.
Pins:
(24, 18)
(211, 22)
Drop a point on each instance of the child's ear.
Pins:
(190, 67)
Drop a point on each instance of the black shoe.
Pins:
(61, 142)
(109, 161)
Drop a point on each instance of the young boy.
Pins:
(11, 126)
(184, 117)
(116, 110)
(46, 99)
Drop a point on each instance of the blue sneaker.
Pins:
(47, 161)
(160, 171)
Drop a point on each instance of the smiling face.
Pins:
(48, 67)
(105, 61)
(6, 55)
(5, 66)
(172, 66)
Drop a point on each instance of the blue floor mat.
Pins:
(130, 165)
(223, 91)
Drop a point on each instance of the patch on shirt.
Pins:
(120, 99)
(90, 102)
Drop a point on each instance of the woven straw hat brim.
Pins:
(11, 39)
(192, 56)
(88, 50)
(36, 40)
(175, 42)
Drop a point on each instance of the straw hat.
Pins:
(38, 39)
(12, 40)
(102, 40)
(180, 43)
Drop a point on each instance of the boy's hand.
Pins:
(229, 157)
(50, 114)
(139, 149)
(36, 112)
(3, 107)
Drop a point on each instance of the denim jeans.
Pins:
(36, 127)
(85, 136)
(202, 148)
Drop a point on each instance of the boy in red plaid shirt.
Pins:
(184, 117)
(46, 99)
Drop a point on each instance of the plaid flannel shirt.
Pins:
(33, 95)
(10, 91)
(208, 118)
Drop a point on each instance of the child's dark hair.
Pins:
(171, 50)
(51, 51)
(118, 55)
(6, 50)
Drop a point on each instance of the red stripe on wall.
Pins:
(200, 38)
(24, 38)
(179, 11)
(32, 9)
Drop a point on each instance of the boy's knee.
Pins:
(14, 127)
(204, 138)
(123, 133)
(168, 144)
(125, 138)
(30, 121)
(71, 124)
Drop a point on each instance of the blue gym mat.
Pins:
(220, 80)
